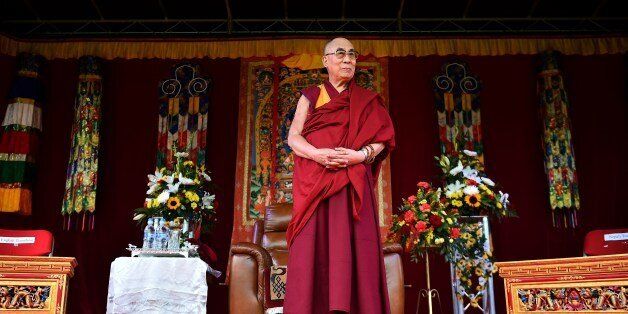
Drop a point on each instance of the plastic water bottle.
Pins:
(173, 242)
(163, 235)
(154, 243)
(148, 234)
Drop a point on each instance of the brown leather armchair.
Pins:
(250, 264)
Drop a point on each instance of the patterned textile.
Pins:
(275, 285)
(278, 276)
(560, 164)
(183, 107)
(82, 174)
(19, 140)
(458, 108)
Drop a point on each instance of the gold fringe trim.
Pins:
(245, 48)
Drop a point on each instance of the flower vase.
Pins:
(487, 304)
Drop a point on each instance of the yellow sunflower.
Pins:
(173, 203)
(472, 200)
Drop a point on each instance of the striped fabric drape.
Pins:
(560, 164)
(82, 174)
(19, 140)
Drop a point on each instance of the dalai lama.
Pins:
(340, 134)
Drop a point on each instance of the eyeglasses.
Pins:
(341, 53)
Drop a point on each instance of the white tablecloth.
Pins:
(157, 285)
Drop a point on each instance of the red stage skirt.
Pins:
(336, 263)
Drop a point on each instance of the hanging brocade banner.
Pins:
(560, 164)
(458, 108)
(19, 140)
(79, 199)
(183, 107)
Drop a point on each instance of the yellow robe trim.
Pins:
(323, 97)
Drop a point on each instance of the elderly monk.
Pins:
(340, 134)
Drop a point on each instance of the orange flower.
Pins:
(173, 203)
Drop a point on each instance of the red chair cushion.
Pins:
(25, 242)
(615, 243)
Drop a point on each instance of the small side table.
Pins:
(157, 285)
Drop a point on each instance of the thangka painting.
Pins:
(458, 108)
(269, 92)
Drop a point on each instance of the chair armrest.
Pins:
(394, 276)
(390, 247)
(250, 264)
(258, 231)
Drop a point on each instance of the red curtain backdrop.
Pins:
(128, 150)
(511, 126)
(512, 140)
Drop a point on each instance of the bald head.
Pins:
(340, 67)
(338, 42)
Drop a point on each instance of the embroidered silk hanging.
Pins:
(560, 164)
(82, 174)
(458, 108)
(19, 140)
(183, 108)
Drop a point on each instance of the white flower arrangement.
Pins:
(181, 192)
(468, 189)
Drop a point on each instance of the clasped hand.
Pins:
(337, 158)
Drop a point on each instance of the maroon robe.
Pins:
(336, 260)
